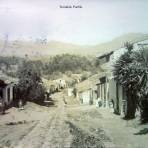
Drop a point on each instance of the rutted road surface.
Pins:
(49, 132)
(67, 126)
(43, 127)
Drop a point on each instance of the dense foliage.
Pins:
(30, 84)
(10, 60)
(131, 71)
(66, 62)
(54, 67)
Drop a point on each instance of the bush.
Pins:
(30, 84)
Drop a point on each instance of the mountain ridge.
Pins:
(50, 48)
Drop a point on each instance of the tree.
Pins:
(130, 71)
(30, 84)
(67, 62)
(123, 75)
(140, 63)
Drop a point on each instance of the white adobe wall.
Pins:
(86, 97)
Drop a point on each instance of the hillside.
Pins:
(119, 42)
(20, 48)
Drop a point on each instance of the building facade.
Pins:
(6, 93)
(111, 93)
(88, 97)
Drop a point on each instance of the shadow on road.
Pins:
(142, 132)
(5, 113)
(83, 139)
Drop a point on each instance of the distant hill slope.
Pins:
(119, 42)
(20, 48)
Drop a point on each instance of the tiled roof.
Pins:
(90, 83)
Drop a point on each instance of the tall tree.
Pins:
(131, 71)
(30, 84)
(140, 63)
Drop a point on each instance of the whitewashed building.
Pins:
(88, 97)
(109, 91)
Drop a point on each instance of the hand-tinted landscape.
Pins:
(73, 77)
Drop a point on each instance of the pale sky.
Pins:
(98, 21)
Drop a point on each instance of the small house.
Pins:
(6, 92)
(87, 91)
(86, 97)
(104, 60)
(61, 83)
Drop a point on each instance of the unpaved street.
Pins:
(45, 131)
(52, 129)
(66, 125)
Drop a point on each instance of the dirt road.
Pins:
(42, 127)
(65, 125)
(48, 131)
